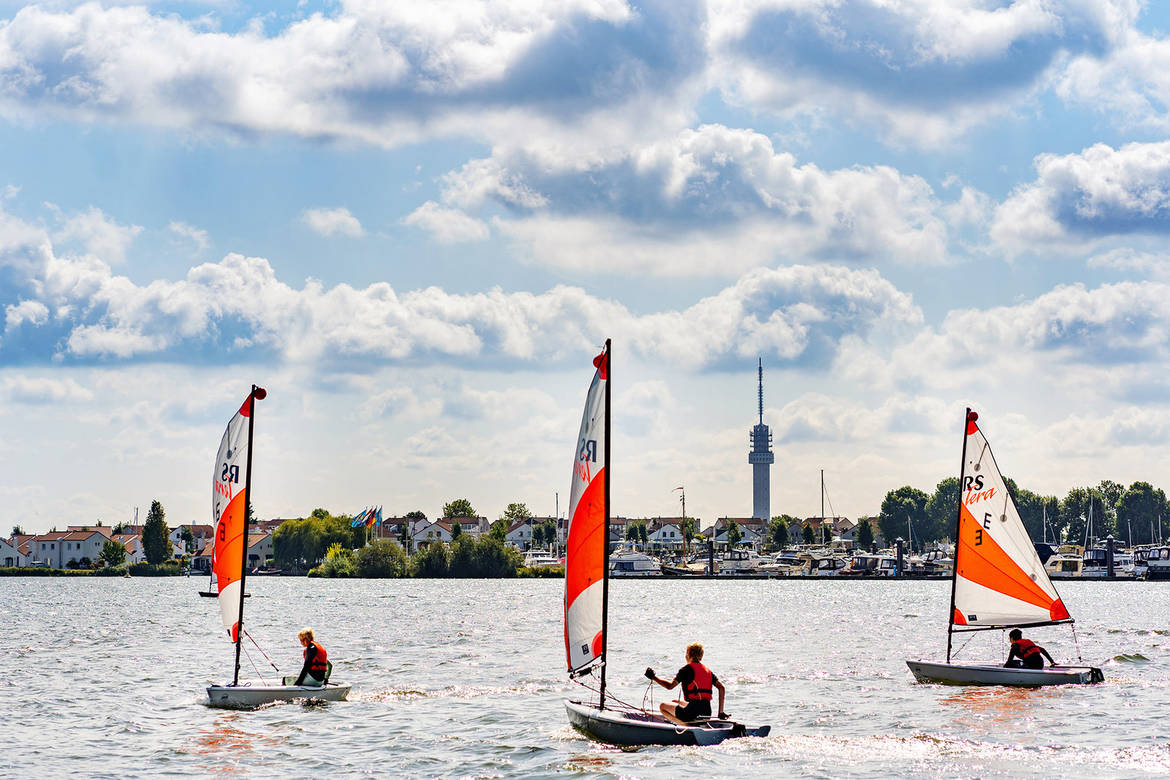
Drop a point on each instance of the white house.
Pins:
(426, 532)
(259, 549)
(10, 554)
(57, 548)
(201, 533)
(751, 530)
(519, 535)
(666, 536)
(133, 545)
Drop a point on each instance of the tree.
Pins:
(1138, 510)
(806, 535)
(119, 528)
(778, 531)
(897, 506)
(382, 559)
(550, 533)
(733, 533)
(456, 530)
(319, 513)
(302, 543)
(113, 553)
(1074, 514)
(155, 541)
(339, 562)
(460, 507)
(17, 530)
(941, 511)
(826, 532)
(433, 560)
(188, 539)
(538, 536)
(864, 534)
(415, 515)
(499, 529)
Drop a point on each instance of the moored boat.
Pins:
(999, 581)
(587, 575)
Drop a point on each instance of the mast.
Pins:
(958, 520)
(247, 519)
(605, 533)
(822, 497)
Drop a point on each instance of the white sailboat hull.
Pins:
(639, 728)
(247, 696)
(973, 674)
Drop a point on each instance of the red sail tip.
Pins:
(596, 645)
(958, 618)
(1057, 611)
(601, 363)
(972, 417)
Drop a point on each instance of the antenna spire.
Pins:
(761, 371)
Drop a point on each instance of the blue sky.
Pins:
(415, 225)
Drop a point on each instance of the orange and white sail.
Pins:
(999, 579)
(585, 551)
(228, 494)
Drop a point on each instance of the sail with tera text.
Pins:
(999, 579)
(227, 510)
(585, 551)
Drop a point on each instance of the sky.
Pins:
(415, 224)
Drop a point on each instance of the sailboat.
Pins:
(231, 512)
(587, 595)
(998, 580)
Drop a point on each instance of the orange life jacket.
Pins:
(699, 689)
(320, 661)
(1026, 648)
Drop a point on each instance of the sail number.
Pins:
(979, 531)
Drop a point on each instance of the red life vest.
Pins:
(1026, 648)
(320, 661)
(699, 689)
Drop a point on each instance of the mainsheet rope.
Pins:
(261, 649)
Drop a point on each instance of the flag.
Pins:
(378, 516)
(371, 515)
(360, 518)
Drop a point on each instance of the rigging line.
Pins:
(610, 696)
(261, 649)
(1077, 644)
(964, 645)
(249, 657)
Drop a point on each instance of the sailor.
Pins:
(697, 684)
(1026, 654)
(316, 660)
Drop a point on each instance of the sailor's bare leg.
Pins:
(669, 710)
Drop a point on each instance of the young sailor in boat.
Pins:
(1026, 654)
(697, 682)
(316, 660)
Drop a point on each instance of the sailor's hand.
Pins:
(649, 673)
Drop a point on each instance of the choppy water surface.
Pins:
(465, 678)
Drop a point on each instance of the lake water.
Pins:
(465, 678)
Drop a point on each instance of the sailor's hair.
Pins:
(1015, 633)
(306, 633)
(695, 652)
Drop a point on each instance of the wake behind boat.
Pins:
(232, 511)
(587, 596)
(998, 581)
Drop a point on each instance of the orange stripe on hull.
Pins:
(988, 565)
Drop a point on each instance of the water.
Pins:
(465, 678)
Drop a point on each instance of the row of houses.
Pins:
(57, 549)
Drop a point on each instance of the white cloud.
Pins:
(100, 235)
(710, 201)
(797, 313)
(329, 222)
(1080, 199)
(383, 74)
(925, 71)
(42, 390)
(193, 234)
(32, 312)
(1130, 85)
(448, 226)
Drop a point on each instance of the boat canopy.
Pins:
(999, 579)
(228, 501)
(585, 550)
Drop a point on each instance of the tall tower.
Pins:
(761, 458)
